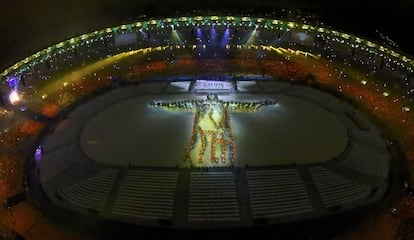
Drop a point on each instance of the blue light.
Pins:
(199, 35)
(14, 82)
(226, 37)
(302, 36)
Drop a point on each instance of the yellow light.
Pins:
(14, 97)
(395, 54)
(344, 35)
(364, 82)
(406, 109)
(44, 96)
(385, 94)
(291, 24)
(65, 84)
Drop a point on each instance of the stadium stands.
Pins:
(336, 190)
(370, 162)
(91, 193)
(65, 133)
(60, 160)
(213, 197)
(146, 194)
(358, 120)
(274, 193)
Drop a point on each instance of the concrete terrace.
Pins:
(257, 190)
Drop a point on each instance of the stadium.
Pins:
(208, 124)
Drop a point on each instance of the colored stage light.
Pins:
(14, 97)
(226, 37)
(38, 153)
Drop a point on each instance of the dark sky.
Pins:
(30, 25)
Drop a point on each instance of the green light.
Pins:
(59, 45)
(409, 63)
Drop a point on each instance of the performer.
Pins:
(212, 138)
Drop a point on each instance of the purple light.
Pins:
(14, 82)
(226, 37)
(38, 154)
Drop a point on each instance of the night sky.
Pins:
(27, 26)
